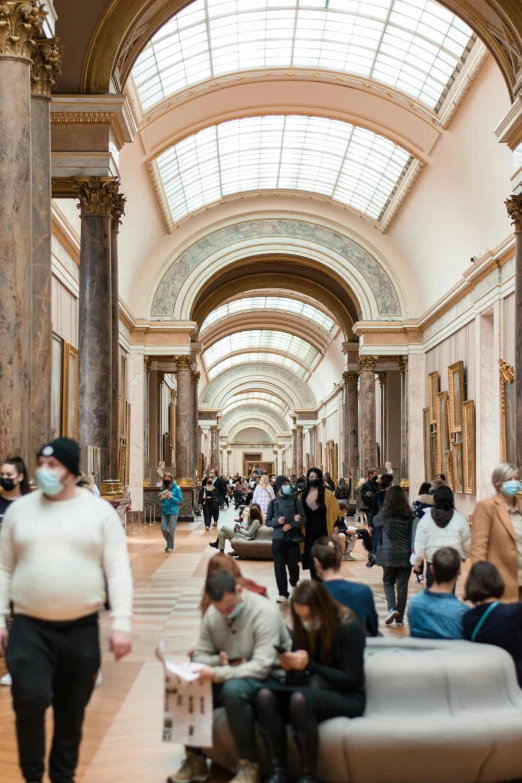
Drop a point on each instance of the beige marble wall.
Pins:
(136, 390)
(416, 391)
(487, 404)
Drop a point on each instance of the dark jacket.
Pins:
(378, 500)
(209, 498)
(502, 628)
(287, 506)
(394, 550)
(343, 491)
(368, 490)
(423, 502)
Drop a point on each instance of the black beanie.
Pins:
(66, 451)
(280, 480)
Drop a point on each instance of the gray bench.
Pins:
(260, 548)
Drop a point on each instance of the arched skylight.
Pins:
(413, 45)
(257, 339)
(255, 398)
(258, 358)
(285, 304)
(349, 164)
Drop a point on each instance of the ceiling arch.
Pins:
(260, 428)
(252, 358)
(248, 412)
(260, 304)
(295, 386)
(272, 340)
(252, 398)
(259, 424)
(253, 382)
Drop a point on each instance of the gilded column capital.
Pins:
(47, 63)
(367, 363)
(20, 25)
(196, 375)
(161, 378)
(514, 208)
(97, 195)
(214, 428)
(299, 427)
(323, 422)
(351, 378)
(382, 378)
(403, 363)
(147, 363)
(173, 395)
(118, 210)
(183, 362)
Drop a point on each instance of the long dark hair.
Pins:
(19, 465)
(255, 513)
(443, 506)
(395, 504)
(322, 642)
(321, 489)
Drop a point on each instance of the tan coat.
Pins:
(493, 539)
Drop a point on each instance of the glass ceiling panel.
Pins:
(253, 398)
(413, 45)
(258, 358)
(352, 165)
(256, 339)
(285, 304)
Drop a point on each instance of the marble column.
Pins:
(415, 384)
(196, 375)
(137, 375)
(294, 451)
(172, 427)
(117, 213)
(160, 380)
(403, 368)
(21, 24)
(383, 411)
(514, 208)
(97, 196)
(146, 416)
(214, 447)
(184, 421)
(229, 461)
(367, 365)
(276, 462)
(299, 442)
(46, 64)
(351, 425)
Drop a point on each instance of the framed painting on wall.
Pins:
(457, 395)
(433, 390)
(468, 446)
(443, 441)
(507, 412)
(458, 472)
(426, 436)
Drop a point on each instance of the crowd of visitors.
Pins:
(270, 667)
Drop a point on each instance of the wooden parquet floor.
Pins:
(123, 726)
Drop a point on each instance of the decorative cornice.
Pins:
(403, 363)
(141, 329)
(97, 195)
(507, 373)
(21, 24)
(160, 195)
(514, 208)
(351, 378)
(382, 378)
(386, 327)
(401, 195)
(47, 63)
(367, 363)
(469, 78)
(110, 109)
(183, 362)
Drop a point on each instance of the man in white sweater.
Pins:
(59, 548)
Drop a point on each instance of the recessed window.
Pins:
(256, 357)
(259, 339)
(284, 304)
(255, 398)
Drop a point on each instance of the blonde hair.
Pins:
(264, 482)
(502, 473)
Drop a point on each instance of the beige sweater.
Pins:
(56, 557)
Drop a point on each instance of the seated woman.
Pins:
(252, 519)
(325, 678)
(492, 622)
(220, 561)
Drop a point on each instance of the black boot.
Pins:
(275, 744)
(215, 543)
(308, 753)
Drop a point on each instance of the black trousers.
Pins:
(51, 664)
(286, 554)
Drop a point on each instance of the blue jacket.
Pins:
(171, 505)
(358, 598)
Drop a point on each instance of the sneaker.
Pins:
(348, 556)
(170, 550)
(281, 599)
(392, 615)
(6, 680)
(371, 561)
(247, 772)
(399, 623)
(194, 768)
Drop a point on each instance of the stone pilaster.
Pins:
(118, 211)
(383, 378)
(146, 416)
(97, 198)
(20, 26)
(184, 421)
(299, 443)
(367, 365)
(160, 381)
(403, 368)
(137, 379)
(196, 375)
(214, 447)
(351, 425)
(514, 208)
(294, 451)
(46, 63)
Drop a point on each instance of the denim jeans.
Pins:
(401, 577)
(168, 527)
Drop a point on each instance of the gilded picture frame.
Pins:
(449, 470)
(507, 412)
(433, 390)
(457, 467)
(468, 447)
(426, 429)
(443, 441)
(433, 454)
(457, 395)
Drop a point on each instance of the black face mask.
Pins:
(167, 483)
(314, 483)
(7, 484)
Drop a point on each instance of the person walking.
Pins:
(59, 547)
(497, 530)
(342, 492)
(322, 513)
(442, 526)
(424, 501)
(393, 524)
(285, 514)
(367, 492)
(208, 502)
(170, 498)
(14, 482)
(263, 494)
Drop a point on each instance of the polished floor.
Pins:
(123, 727)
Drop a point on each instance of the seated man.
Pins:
(352, 532)
(327, 555)
(237, 653)
(437, 613)
(246, 527)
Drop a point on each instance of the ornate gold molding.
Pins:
(507, 373)
(196, 375)
(20, 25)
(118, 210)
(147, 363)
(514, 208)
(183, 362)
(351, 378)
(160, 377)
(299, 428)
(173, 395)
(97, 195)
(403, 363)
(214, 428)
(47, 63)
(367, 363)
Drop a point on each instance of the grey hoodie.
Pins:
(286, 506)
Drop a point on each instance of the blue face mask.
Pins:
(239, 608)
(511, 488)
(286, 489)
(49, 481)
